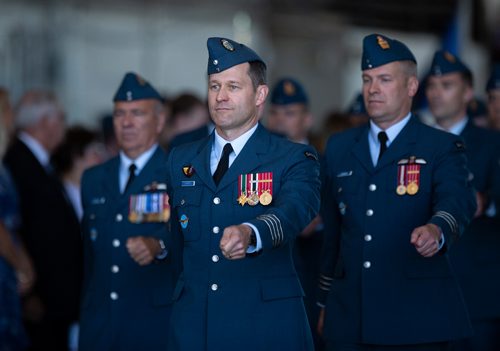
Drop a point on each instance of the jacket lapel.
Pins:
(249, 158)
(111, 186)
(361, 150)
(201, 163)
(401, 146)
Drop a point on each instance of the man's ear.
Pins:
(261, 94)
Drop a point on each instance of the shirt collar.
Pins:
(237, 143)
(36, 148)
(139, 162)
(392, 132)
(457, 128)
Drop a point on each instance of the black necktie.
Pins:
(223, 163)
(131, 175)
(382, 137)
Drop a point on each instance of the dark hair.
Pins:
(184, 103)
(257, 73)
(75, 142)
(467, 77)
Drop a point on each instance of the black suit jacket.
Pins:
(50, 231)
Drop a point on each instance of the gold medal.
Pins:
(132, 217)
(253, 199)
(401, 189)
(265, 198)
(412, 188)
(242, 200)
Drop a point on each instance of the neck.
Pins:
(447, 123)
(234, 133)
(73, 177)
(39, 136)
(384, 125)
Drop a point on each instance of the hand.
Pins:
(25, 272)
(143, 249)
(33, 308)
(481, 204)
(321, 322)
(235, 240)
(311, 227)
(426, 239)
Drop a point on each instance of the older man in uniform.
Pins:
(127, 296)
(396, 197)
(239, 198)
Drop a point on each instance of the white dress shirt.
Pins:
(215, 156)
(139, 162)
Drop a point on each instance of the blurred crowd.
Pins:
(40, 197)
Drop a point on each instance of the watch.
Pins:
(164, 252)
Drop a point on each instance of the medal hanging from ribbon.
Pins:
(413, 177)
(401, 189)
(149, 207)
(255, 188)
(409, 176)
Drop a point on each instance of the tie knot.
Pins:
(132, 168)
(228, 148)
(382, 137)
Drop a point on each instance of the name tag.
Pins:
(344, 174)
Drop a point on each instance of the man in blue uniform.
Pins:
(239, 197)
(449, 90)
(396, 197)
(127, 296)
(289, 115)
(493, 90)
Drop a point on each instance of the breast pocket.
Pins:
(187, 207)
(95, 223)
(346, 191)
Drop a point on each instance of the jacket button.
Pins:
(215, 258)
(214, 287)
(119, 217)
(369, 212)
(113, 296)
(215, 230)
(115, 268)
(367, 264)
(216, 200)
(368, 237)
(372, 187)
(116, 243)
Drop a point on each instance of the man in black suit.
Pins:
(50, 228)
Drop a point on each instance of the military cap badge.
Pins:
(227, 45)
(289, 88)
(449, 57)
(382, 43)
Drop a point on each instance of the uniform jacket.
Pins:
(475, 257)
(377, 288)
(51, 233)
(254, 303)
(125, 306)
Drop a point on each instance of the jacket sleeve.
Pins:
(297, 202)
(331, 220)
(454, 202)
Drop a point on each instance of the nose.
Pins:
(221, 95)
(126, 119)
(373, 87)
